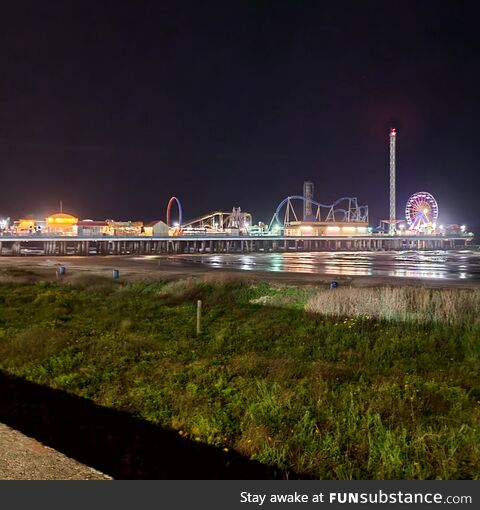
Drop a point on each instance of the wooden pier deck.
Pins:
(110, 245)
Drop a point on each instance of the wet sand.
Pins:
(134, 268)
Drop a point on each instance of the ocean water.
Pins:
(455, 265)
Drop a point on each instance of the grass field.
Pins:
(306, 379)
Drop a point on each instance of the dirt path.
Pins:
(23, 458)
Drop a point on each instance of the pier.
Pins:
(144, 245)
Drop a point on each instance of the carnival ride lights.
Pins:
(169, 206)
(350, 212)
(421, 211)
(220, 221)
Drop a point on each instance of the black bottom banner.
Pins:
(234, 494)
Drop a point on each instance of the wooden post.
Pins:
(199, 316)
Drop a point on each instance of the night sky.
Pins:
(114, 106)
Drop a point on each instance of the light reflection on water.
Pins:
(426, 264)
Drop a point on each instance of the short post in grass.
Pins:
(116, 274)
(199, 316)
(61, 271)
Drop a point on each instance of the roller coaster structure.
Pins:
(351, 212)
(220, 221)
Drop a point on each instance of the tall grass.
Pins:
(399, 303)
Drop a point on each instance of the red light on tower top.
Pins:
(393, 131)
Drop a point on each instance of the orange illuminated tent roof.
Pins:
(61, 219)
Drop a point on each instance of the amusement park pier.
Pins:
(299, 223)
(341, 226)
(141, 245)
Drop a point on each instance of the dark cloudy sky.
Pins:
(114, 106)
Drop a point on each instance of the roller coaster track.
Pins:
(351, 213)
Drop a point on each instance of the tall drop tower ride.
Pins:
(307, 205)
(391, 225)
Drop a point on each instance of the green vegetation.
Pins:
(332, 396)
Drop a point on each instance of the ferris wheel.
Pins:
(421, 211)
